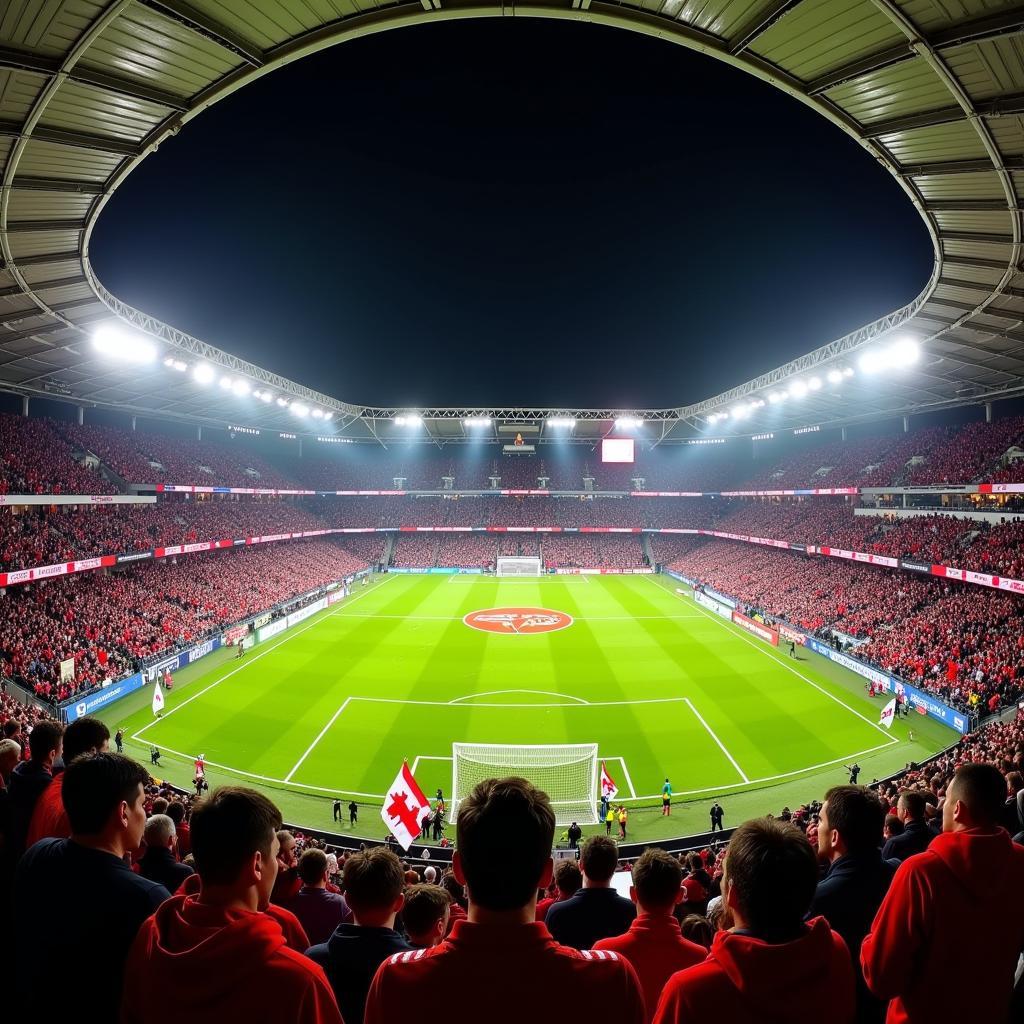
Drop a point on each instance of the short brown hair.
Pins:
(44, 737)
(568, 877)
(82, 736)
(373, 879)
(504, 833)
(424, 906)
(228, 827)
(774, 872)
(598, 858)
(982, 789)
(914, 803)
(657, 878)
(857, 814)
(312, 866)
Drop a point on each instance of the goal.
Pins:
(519, 566)
(566, 772)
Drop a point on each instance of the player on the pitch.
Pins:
(666, 799)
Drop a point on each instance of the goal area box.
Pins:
(520, 565)
(566, 772)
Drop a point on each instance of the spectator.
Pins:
(505, 831)
(373, 883)
(214, 957)
(79, 894)
(10, 755)
(457, 892)
(319, 911)
(654, 945)
(288, 882)
(159, 863)
(30, 778)
(916, 834)
(772, 963)
(857, 878)
(176, 811)
(946, 940)
(568, 882)
(597, 911)
(425, 914)
(893, 827)
(49, 819)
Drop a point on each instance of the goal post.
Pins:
(519, 565)
(566, 772)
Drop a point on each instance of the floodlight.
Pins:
(476, 421)
(798, 389)
(740, 412)
(834, 376)
(628, 422)
(409, 419)
(225, 383)
(282, 402)
(904, 353)
(847, 371)
(128, 346)
(299, 409)
(562, 421)
(240, 388)
(318, 414)
(776, 396)
(328, 416)
(871, 362)
(814, 384)
(204, 373)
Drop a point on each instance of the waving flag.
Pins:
(888, 714)
(608, 787)
(158, 699)
(403, 807)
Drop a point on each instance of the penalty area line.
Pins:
(721, 745)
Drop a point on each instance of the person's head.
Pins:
(10, 755)
(771, 873)
(893, 827)
(694, 863)
(455, 889)
(657, 882)
(850, 822)
(313, 868)
(373, 881)
(568, 878)
(159, 832)
(1014, 783)
(504, 834)
(160, 805)
(425, 913)
(85, 736)
(104, 796)
(234, 843)
(698, 929)
(286, 848)
(974, 798)
(12, 730)
(176, 812)
(910, 806)
(430, 874)
(598, 859)
(44, 742)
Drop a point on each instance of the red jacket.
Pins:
(205, 964)
(955, 911)
(655, 947)
(748, 981)
(489, 965)
(49, 819)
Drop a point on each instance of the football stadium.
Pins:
(315, 709)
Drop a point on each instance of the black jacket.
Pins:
(28, 780)
(915, 839)
(589, 915)
(160, 866)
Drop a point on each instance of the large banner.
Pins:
(271, 629)
(712, 605)
(107, 695)
(759, 629)
(182, 658)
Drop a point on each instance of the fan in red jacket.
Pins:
(503, 855)
(771, 967)
(945, 942)
(214, 957)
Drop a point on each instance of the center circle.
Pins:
(517, 621)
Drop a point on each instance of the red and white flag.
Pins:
(158, 699)
(888, 714)
(404, 804)
(608, 787)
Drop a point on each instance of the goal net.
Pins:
(567, 773)
(519, 566)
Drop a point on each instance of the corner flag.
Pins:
(403, 807)
(888, 714)
(608, 787)
(158, 699)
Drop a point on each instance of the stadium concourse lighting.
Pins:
(128, 346)
(628, 422)
(203, 373)
(409, 419)
(476, 421)
(566, 422)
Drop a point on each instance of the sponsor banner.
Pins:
(712, 605)
(798, 491)
(791, 634)
(351, 494)
(188, 549)
(206, 489)
(679, 576)
(532, 490)
(674, 529)
(335, 598)
(261, 620)
(1000, 488)
(76, 709)
(43, 572)
(607, 571)
(271, 629)
(201, 650)
(134, 556)
(234, 634)
(169, 664)
(759, 629)
(668, 494)
(723, 598)
(304, 613)
(610, 529)
(797, 547)
(77, 499)
(915, 566)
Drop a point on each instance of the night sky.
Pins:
(512, 211)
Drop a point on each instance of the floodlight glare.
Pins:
(225, 383)
(282, 402)
(328, 415)
(265, 396)
(318, 414)
(477, 421)
(847, 371)
(904, 353)
(410, 419)
(240, 388)
(871, 362)
(628, 422)
(834, 376)
(562, 421)
(798, 389)
(299, 409)
(739, 412)
(203, 373)
(128, 346)
(814, 383)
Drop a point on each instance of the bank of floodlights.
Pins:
(409, 419)
(124, 345)
(476, 421)
(628, 423)
(561, 422)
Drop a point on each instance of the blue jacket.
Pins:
(915, 839)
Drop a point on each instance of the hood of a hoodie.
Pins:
(202, 953)
(982, 860)
(779, 981)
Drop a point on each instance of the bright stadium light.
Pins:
(777, 396)
(798, 389)
(566, 422)
(318, 414)
(848, 371)
(204, 373)
(263, 396)
(299, 409)
(628, 422)
(240, 388)
(328, 416)
(740, 412)
(476, 421)
(409, 419)
(834, 376)
(905, 352)
(814, 384)
(225, 383)
(119, 343)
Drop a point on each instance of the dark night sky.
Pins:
(512, 211)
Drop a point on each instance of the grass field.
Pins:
(661, 685)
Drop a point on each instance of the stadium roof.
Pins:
(89, 88)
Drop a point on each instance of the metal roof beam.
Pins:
(77, 140)
(992, 237)
(198, 21)
(976, 286)
(973, 261)
(968, 205)
(7, 337)
(862, 66)
(33, 184)
(62, 282)
(999, 107)
(971, 166)
(760, 24)
(45, 225)
(43, 259)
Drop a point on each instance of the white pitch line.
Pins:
(590, 704)
(254, 658)
(494, 693)
(721, 745)
(577, 618)
(625, 773)
(427, 757)
(319, 737)
(810, 682)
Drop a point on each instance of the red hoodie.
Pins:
(955, 911)
(206, 965)
(49, 819)
(748, 981)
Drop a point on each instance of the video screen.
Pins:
(617, 449)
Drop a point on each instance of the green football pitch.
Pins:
(662, 686)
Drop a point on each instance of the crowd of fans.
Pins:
(35, 459)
